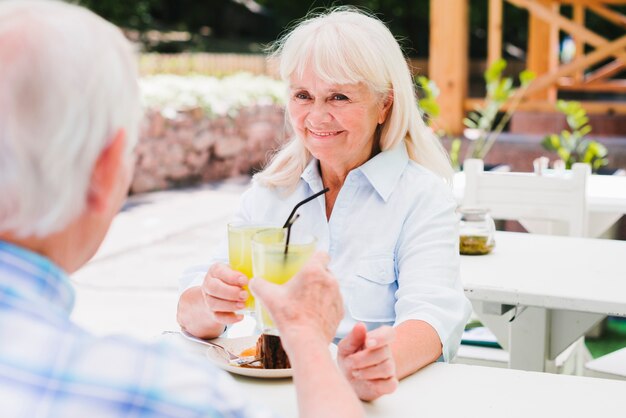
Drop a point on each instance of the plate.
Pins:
(237, 345)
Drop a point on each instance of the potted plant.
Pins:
(483, 128)
(572, 145)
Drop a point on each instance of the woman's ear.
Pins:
(386, 107)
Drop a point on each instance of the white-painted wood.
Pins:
(560, 200)
(606, 202)
(576, 281)
(456, 390)
(609, 366)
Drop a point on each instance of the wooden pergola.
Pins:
(448, 61)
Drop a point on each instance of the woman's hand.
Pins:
(366, 360)
(223, 293)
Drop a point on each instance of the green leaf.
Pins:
(469, 123)
(526, 77)
(494, 72)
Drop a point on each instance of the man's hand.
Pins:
(366, 360)
(223, 293)
(309, 304)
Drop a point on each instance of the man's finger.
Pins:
(265, 291)
(352, 342)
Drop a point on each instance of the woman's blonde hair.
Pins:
(347, 46)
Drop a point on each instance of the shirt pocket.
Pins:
(372, 298)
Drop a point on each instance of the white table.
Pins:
(606, 200)
(457, 390)
(555, 288)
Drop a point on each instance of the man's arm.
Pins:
(307, 311)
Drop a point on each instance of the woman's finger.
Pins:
(221, 290)
(384, 370)
(226, 274)
(369, 357)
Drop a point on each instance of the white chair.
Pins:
(558, 203)
(609, 366)
(553, 204)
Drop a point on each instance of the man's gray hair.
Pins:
(68, 83)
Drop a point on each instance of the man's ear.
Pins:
(106, 172)
(384, 111)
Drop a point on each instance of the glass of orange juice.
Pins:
(240, 254)
(277, 262)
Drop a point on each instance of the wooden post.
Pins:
(579, 17)
(543, 49)
(448, 60)
(494, 32)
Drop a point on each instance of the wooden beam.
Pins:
(494, 32)
(579, 18)
(589, 2)
(592, 107)
(543, 41)
(610, 86)
(448, 60)
(610, 15)
(585, 61)
(544, 13)
(606, 71)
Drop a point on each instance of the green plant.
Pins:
(428, 104)
(483, 129)
(572, 146)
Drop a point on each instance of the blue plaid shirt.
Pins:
(50, 367)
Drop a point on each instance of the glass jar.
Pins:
(477, 231)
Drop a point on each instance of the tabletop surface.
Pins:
(604, 193)
(580, 274)
(456, 390)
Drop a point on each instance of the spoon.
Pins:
(233, 359)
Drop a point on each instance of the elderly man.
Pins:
(69, 111)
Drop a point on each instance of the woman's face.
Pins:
(336, 122)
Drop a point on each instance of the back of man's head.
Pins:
(68, 83)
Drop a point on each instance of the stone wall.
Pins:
(192, 148)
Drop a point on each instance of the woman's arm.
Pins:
(194, 316)
(416, 345)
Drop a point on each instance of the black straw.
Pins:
(295, 218)
(308, 199)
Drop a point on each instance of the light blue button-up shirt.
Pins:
(392, 239)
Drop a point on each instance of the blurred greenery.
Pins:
(573, 146)
(254, 23)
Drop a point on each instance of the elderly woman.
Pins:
(388, 221)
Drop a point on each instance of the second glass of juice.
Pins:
(240, 254)
(276, 261)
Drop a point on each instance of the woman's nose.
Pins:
(318, 114)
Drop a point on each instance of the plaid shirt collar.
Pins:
(34, 279)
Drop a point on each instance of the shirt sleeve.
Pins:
(428, 263)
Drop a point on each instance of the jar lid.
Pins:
(473, 213)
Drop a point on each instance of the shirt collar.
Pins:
(385, 169)
(312, 176)
(35, 278)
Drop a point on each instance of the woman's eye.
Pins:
(339, 97)
(301, 96)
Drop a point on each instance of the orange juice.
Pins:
(240, 254)
(271, 262)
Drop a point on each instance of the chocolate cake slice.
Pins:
(270, 349)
